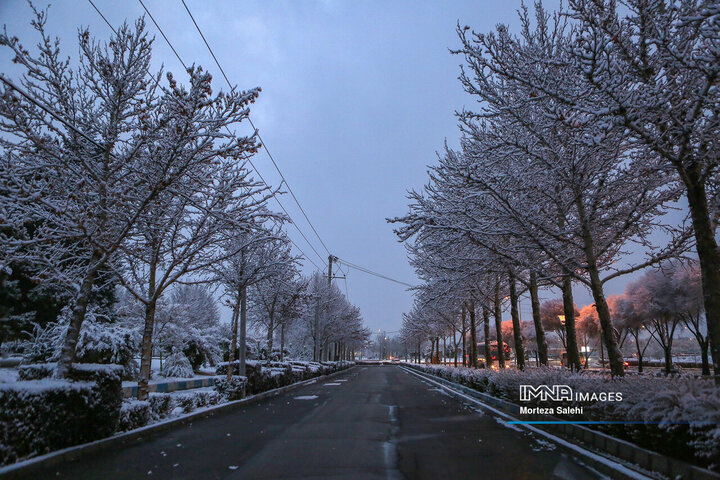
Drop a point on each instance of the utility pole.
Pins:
(331, 258)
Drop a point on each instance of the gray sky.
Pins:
(357, 98)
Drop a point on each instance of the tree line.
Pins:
(116, 182)
(592, 123)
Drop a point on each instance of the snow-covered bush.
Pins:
(160, 405)
(186, 402)
(36, 371)
(233, 389)
(263, 376)
(177, 365)
(100, 341)
(39, 416)
(134, 414)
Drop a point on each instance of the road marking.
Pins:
(333, 383)
(306, 397)
(587, 453)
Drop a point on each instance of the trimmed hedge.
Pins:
(264, 376)
(38, 416)
(134, 414)
(234, 389)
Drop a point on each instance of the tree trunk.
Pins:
(668, 360)
(498, 328)
(282, 342)
(146, 349)
(473, 336)
(464, 335)
(704, 358)
(67, 353)
(709, 256)
(233, 340)
(243, 330)
(542, 348)
(615, 358)
(570, 333)
(316, 333)
(271, 330)
(455, 348)
(486, 331)
(639, 351)
(517, 333)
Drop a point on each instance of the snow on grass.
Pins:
(8, 375)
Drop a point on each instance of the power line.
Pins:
(264, 145)
(245, 156)
(163, 34)
(370, 272)
(272, 159)
(167, 40)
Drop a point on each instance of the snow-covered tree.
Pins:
(653, 68)
(276, 298)
(251, 256)
(88, 151)
(567, 183)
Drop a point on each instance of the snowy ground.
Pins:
(8, 375)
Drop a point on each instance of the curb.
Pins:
(167, 387)
(629, 456)
(26, 467)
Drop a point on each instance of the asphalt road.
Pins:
(371, 422)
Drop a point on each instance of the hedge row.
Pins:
(40, 414)
(261, 377)
(680, 415)
(138, 413)
(264, 376)
(43, 414)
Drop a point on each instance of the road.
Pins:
(370, 422)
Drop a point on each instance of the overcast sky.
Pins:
(357, 96)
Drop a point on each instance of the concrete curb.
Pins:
(167, 387)
(27, 467)
(619, 451)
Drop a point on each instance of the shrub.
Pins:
(234, 389)
(160, 405)
(36, 371)
(134, 414)
(177, 365)
(100, 341)
(38, 416)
